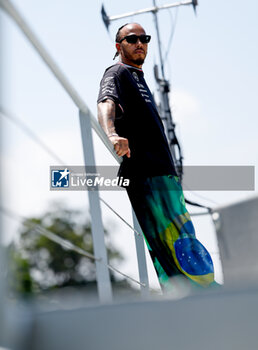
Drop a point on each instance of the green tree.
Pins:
(38, 264)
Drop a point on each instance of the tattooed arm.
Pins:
(106, 117)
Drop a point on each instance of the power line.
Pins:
(198, 195)
(174, 22)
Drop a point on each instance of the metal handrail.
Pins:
(60, 76)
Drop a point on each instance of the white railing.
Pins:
(87, 122)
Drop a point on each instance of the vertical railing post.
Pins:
(141, 257)
(103, 277)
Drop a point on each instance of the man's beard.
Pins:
(139, 61)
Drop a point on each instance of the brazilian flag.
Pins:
(159, 205)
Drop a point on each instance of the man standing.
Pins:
(128, 115)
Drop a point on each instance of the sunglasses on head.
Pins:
(132, 39)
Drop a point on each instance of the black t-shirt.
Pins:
(137, 119)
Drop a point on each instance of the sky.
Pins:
(212, 68)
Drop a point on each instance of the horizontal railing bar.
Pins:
(61, 241)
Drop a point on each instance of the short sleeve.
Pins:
(109, 88)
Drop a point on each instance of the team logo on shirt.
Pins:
(108, 78)
(135, 75)
(108, 86)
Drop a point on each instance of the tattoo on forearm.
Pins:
(106, 116)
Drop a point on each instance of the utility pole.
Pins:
(159, 41)
(163, 84)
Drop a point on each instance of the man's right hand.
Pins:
(121, 146)
(106, 117)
